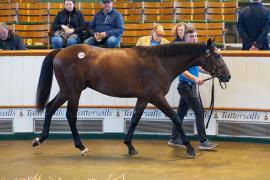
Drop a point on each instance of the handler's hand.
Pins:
(199, 81)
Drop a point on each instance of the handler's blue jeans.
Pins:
(190, 98)
(110, 42)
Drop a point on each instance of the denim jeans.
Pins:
(190, 98)
(110, 42)
(59, 42)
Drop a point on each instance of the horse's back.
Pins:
(115, 72)
(80, 52)
(124, 73)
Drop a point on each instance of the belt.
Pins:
(188, 83)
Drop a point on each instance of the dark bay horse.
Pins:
(143, 72)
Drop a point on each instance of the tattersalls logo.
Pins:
(95, 113)
(153, 113)
(82, 112)
(241, 115)
(35, 113)
(7, 113)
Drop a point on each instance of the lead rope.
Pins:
(211, 106)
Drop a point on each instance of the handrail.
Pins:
(225, 53)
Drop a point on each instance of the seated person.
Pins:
(179, 32)
(67, 26)
(106, 27)
(156, 37)
(9, 40)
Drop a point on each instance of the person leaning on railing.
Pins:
(9, 40)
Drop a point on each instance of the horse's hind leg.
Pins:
(163, 105)
(71, 114)
(139, 108)
(51, 107)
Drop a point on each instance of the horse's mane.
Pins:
(173, 49)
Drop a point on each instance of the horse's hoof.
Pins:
(84, 152)
(36, 142)
(132, 152)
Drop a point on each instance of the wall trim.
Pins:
(120, 136)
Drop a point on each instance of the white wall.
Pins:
(248, 88)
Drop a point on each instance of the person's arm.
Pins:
(139, 42)
(81, 23)
(165, 41)
(241, 29)
(56, 22)
(19, 44)
(203, 70)
(119, 27)
(195, 79)
(92, 28)
(264, 31)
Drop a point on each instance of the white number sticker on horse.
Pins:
(81, 55)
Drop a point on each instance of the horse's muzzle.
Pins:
(224, 78)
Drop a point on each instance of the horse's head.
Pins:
(215, 64)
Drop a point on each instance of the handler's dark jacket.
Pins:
(13, 42)
(72, 19)
(253, 26)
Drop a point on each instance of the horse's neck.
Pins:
(177, 65)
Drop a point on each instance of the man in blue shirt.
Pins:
(189, 98)
(253, 26)
(106, 27)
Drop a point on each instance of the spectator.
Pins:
(68, 24)
(106, 27)
(253, 26)
(156, 37)
(179, 31)
(189, 98)
(9, 40)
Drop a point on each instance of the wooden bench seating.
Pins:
(37, 33)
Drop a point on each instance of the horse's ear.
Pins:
(209, 42)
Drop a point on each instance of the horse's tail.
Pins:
(45, 80)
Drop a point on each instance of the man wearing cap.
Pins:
(106, 27)
(156, 37)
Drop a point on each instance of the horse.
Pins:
(142, 72)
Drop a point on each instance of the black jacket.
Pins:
(253, 26)
(13, 42)
(72, 19)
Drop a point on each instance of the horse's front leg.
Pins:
(51, 107)
(139, 108)
(162, 104)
